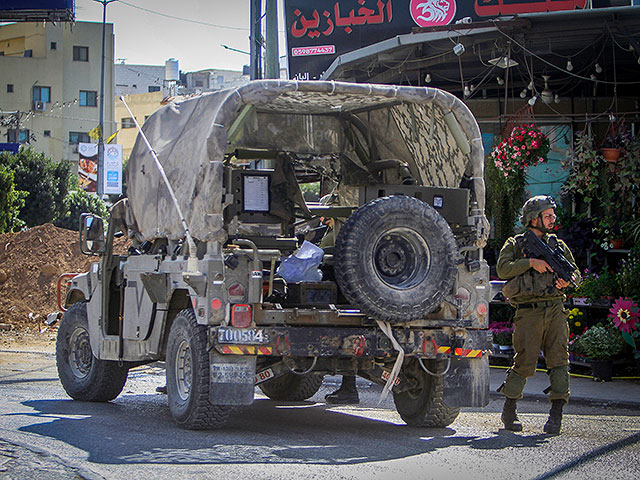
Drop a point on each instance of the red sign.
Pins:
(321, 50)
(432, 13)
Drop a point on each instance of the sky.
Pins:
(146, 38)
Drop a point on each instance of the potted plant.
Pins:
(524, 147)
(624, 315)
(586, 168)
(615, 140)
(600, 344)
(502, 335)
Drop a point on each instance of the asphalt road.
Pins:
(44, 434)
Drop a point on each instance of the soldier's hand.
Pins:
(560, 284)
(540, 265)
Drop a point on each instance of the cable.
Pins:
(242, 29)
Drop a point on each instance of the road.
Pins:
(44, 434)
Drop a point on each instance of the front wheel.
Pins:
(188, 380)
(423, 405)
(83, 376)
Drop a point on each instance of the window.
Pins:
(88, 98)
(17, 136)
(28, 53)
(54, 46)
(47, 133)
(9, 87)
(127, 122)
(41, 94)
(80, 54)
(199, 83)
(154, 88)
(78, 137)
(220, 79)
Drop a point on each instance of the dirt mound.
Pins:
(30, 264)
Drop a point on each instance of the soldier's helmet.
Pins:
(535, 206)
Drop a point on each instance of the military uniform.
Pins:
(540, 321)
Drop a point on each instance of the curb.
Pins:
(595, 402)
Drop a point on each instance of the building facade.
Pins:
(210, 80)
(50, 85)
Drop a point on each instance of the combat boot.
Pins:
(346, 394)
(510, 416)
(554, 423)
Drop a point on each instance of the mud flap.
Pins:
(232, 379)
(466, 384)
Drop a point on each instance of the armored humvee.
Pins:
(215, 209)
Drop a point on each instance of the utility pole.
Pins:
(100, 180)
(255, 40)
(272, 61)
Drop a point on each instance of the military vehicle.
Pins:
(214, 283)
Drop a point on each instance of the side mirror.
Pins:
(91, 234)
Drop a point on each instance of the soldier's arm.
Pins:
(569, 256)
(510, 262)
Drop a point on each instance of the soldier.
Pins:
(540, 322)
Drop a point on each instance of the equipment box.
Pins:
(311, 293)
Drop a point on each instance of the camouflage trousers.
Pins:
(538, 329)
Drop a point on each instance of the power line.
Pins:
(183, 19)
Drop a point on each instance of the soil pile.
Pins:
(30, 264)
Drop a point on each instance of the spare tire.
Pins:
(395, 259)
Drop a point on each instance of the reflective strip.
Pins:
(459, 352)
(246, 350)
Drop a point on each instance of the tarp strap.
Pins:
(395, 371)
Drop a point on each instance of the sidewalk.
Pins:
(585, 391)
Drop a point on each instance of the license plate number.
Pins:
(253, 336)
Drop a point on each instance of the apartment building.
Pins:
(50, 85)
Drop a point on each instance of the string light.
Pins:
(523, 93)
(598, 68)
(427, 78)
(532, 100)
(500, 80)
(569, 66)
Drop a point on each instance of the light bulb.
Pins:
(593, 77)
(569, 66)
(530, 86)
(427, 78)
(523, 93)
(598, 68)
(638, 59)
(500, 80)
(556, 99)
(467, 92)
(473, 87)
(532, 100)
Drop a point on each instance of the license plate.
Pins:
(264, 375)
(243, 336)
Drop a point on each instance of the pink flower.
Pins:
(623, 314)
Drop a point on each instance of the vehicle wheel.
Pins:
(292, 387)
(423, 405)
(83, 376)
(188, 379)
(395, 258)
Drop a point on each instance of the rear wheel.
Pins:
(423, 405)
(83, 376)
(188, 381)
(292, 387)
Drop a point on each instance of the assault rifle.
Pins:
(535, 248)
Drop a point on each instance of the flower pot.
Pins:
(581, 301)
(611, 154)
(602, 369)
(617, 243)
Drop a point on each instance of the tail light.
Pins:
(241, 316)
(482, 309)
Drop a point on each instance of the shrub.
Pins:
(76, 203)
(599, 342)
(11, 201)
(46, 181)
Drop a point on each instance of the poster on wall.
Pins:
(88, 167)
(318, 31)
(112, 169)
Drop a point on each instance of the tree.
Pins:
(77, 202)
(46, 181)
(11, 201)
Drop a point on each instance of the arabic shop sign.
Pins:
(320, 30)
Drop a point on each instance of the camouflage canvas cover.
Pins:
(430, 130)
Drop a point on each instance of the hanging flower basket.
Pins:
(526, 146)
